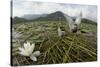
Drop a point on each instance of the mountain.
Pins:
(33, 16)
(52, 17)
(18, 20)
(59, 16)
(84, 20)
(56, 16)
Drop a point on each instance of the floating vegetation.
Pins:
(54, 49)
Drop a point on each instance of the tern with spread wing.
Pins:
(73, 25)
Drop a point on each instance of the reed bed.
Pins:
(69, 48)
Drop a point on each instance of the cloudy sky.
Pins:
(21, 8)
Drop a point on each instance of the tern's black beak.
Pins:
(75, 28)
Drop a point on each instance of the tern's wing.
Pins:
(70, 21)
(78, 19)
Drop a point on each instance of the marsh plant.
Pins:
(27, 50)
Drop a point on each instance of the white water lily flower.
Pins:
(27, 50)
(34, 55)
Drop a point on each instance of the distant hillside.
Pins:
(59, 16)
(56, 16)
(33, 16)
(52, 17)
(18, 20)
(88, 21)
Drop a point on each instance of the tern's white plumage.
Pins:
(60, 32)
(73, 25)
